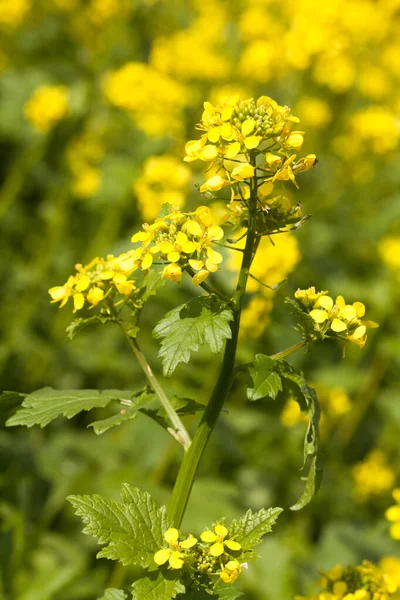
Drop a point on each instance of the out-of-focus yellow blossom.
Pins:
(362, 582)
(372, 477)
(291, 414)
(218, 542)
(377, 127)
(389, 250)
(393, 515)
(164, 180)
(181, 241)
(83, 156)
(235, 131)
(374, 83)
(13, 13)
(272, 264)
(336, 317)
(195, 52)
(154, 100)
(334, 403)
(390, 565)
(314, 112)
(173, 554)
(47, 106)
(94, 282)
(336, 71)
(231, 571)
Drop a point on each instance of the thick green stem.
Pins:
(191, 460)
(178, 431)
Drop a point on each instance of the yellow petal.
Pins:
(214, 184)
(338, 325)
(95, 295)
(196, 264)
(232, 565)
(252, 141)
(221, 530)
(340, 302)
(161, 557)
(57, 293)
(210, 266)
(189, 247)
(226, 113)
(208, 536)
(295, 140)
(181, 238)
(243, 171)
(147, 261)
(232, 545)
(348, 312)
(166, 247)
(173, 256)
(217, 549)
(227, 131)
(319, 315)
(189, 542)
(215, 233)
(214, 134)
(339, 588)
(193, 227)
(200, 277)
(171, 536)
(326, 302)
(82, 282)
(209, 152)
(232, 150)
(105, 275)
(175, 560)
(360, 309)
(248, 126)
(214, 256)
(359, 332)
(79, 301)
(140, 236)
(172, 272)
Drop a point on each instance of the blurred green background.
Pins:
(97, 99)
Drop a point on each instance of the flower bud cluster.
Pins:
(362, 582)
(335, 317)
(203, 560)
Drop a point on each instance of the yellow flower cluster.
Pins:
(208, 557)
(271, 264)
(164, 180)
(393, 515)
(373, 476)
(94, 282)
(154, 100)
(235, 131)
(13, 13)
(47, 106)
(362, 582)
(336, 317)
(83, 156)
(181, 241)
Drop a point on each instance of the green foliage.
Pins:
(221, 592)
(249, 529)
(157, 585)
(203, 320)
(80, 323)
(45, 405)
(266, 382)
(132, 530)
(113, 594)
(304, 323)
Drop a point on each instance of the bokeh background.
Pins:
(97, 99)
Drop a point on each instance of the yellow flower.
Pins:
(173, 553)
(373, 476)
(47, 106)
(231, 571)
(13, 13)
(217, 539)
(393, 515)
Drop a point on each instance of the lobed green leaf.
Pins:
(203, 320)
(114, 594)
(132, 530)
(251, 527)
(265, 381)
(157, 585)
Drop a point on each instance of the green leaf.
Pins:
(139, 400)
(10, 400)
(266, 382)
(183, 407)
(249, 529)
(295, 386)
(133, 530)
(304, 323)
(166, 209)
(78, 324)
(113, 594)
(157, 585)
(203, 320)
(45, 405)
(221, 592)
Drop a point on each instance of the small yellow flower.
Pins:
(173, 553)
(217, 539)
(231, 571)
(47, 105)
(393, 515)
